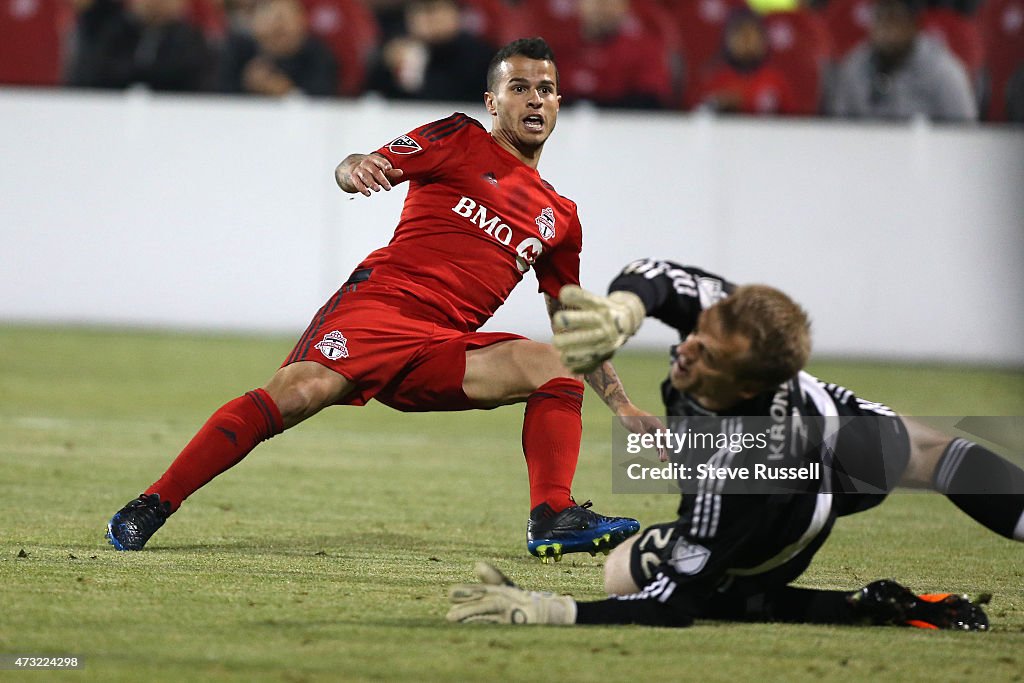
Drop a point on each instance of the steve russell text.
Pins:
(675, 471)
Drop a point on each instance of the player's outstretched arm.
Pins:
(364, 173)
(497, 600)
(589, 328)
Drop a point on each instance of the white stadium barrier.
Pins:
(903, 241)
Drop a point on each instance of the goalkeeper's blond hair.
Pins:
(778, 328)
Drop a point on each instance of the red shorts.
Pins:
(390, 348)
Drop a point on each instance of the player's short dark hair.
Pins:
(532, 48)
(778, 328)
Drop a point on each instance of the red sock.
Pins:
(552, 430)
(227, 437)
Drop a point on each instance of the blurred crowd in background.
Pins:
(947, 60)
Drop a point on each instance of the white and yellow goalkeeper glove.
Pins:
(596, 327)
(496, 600)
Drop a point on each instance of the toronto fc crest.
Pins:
(334, 346)
(546, 223)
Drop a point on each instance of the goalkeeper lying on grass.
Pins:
(734, 549)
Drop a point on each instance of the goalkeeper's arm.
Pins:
(496, 599)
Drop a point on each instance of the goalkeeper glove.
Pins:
(496, 600)
(590, 334)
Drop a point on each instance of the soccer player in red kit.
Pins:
(402, 329)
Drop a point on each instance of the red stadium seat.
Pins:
(848, 23)
(493, 20)
(1002, 27)
(657, 19)
(554, 20)
(352, 33)
(798, 30)
(700, 24)
(558, 22)
(30, 42)
(801, 48)
(208, 15)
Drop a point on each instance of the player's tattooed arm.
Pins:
(605, 381)
(364, 173)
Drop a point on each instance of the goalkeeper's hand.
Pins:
(496, 600)
(589, 334)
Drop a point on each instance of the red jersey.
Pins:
(476, 219)
(763, 91)
(631, 67)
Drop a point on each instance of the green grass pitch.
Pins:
(327, 554)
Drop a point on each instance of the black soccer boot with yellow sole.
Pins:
(576, 529)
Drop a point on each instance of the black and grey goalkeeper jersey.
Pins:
(729, 532)
(672, 293)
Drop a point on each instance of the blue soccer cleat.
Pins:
(576, 529)
(132, 525)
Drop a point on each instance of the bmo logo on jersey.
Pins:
(527, 251)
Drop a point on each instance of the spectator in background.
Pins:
(390, 15)
(238, 16)
(1015, 96)
(147, 42)
(435, 59)
(742, 80)
(237, 39)
(613, 61)
(280, 57)
(899, 73)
